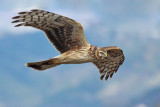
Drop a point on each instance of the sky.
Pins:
(132, 25)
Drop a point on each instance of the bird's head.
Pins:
(105, 52)
(102, 54)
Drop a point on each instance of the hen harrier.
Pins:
(68, 37)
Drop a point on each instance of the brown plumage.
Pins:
(68, 37)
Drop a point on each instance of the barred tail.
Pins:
(43, 65)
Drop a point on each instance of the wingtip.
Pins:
(34, 10)
(15, 21)
(15, 17)
(18, 25)
(101, 78)
(22, 12)
(106, 78)
(111, 75)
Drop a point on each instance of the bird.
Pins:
(68, 37)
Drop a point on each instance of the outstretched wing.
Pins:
(110, 65)
(64, 33)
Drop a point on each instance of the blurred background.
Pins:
(133, 25)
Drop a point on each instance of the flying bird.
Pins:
(68, 37)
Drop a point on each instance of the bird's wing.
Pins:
(110, 65)
(64, 33)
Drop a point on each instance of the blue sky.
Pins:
(133, 25)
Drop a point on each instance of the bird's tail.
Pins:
(43, 65)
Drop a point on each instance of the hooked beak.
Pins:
(106, 54)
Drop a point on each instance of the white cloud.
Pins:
(132, 86)
(136, 28)
(69, 78)
(61, 79)
(139, 28)
(141, 105)
(18, 93)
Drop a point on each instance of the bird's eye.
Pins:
(103, 54)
